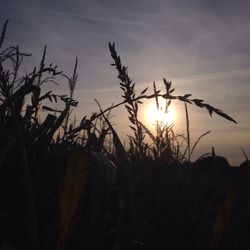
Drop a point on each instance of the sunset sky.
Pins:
(203, 47)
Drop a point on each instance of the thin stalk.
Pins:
(188, 133)
(32, 223)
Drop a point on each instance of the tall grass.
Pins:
(33, 140)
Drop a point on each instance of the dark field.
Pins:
(70, 186)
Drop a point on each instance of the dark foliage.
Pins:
(147, 196)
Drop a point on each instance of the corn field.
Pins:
(69, 186)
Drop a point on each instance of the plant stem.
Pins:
(32, 223)
(188, 133)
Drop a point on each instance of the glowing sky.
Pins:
(203, 47)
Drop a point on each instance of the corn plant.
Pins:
(165, 140)
(33, 128)
(21, 130)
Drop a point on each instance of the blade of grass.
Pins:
(197, 141)
(243, 151)
(3, 33)
(188, 133)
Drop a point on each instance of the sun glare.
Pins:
(160, 116)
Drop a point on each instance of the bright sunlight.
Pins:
(160, 115)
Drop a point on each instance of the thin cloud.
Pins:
(87, 17)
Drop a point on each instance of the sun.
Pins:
(160, 115)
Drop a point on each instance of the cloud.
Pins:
(38, 9)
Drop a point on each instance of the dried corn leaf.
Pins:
(73, 189)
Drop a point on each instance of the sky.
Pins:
(203, 47)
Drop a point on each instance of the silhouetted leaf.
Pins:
(133, 128)
(128, 107)
(187, 95)
(50, 109)
(144, 91)
(226, 117)
(3, 33)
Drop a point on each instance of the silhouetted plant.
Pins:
(128, 87)
(165, 139)
(165, 200)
